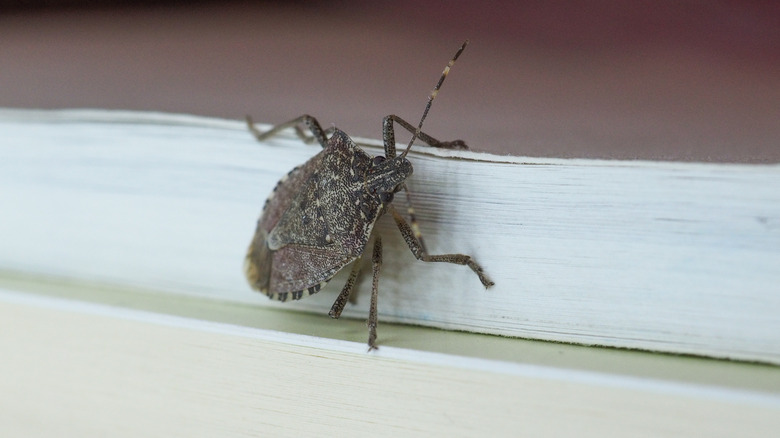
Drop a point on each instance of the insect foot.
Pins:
(320, 216)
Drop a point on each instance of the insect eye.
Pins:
(386, 198)
(378, 159)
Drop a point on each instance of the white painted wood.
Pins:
(676, 257)
(83, 370)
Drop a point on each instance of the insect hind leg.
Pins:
(376, 263)
(317, 133)
(346, 292)
(420, 253)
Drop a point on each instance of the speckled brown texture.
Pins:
(318, 220)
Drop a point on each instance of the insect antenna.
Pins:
(433, 96)
(410, 210)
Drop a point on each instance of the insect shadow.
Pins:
(320, 216)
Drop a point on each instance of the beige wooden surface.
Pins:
(78, 369)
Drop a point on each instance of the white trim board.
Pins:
(675, 257)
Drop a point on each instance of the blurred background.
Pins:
(668, 80)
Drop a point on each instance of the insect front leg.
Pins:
(417, 249)
(376, 264)
(317, 133)
(413, 220)
(388, 136)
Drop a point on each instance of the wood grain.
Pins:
(673, 257)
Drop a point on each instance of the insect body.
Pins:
(320, 216)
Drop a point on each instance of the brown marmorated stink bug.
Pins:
(319, 217)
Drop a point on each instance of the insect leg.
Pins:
(346, 292)
(388, 136)
(376, 263)
(413, 220)
(419, 252)
(317, 133)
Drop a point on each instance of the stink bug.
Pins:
(319, 217)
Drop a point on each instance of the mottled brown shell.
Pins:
(317, 220)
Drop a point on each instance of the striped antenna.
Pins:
(433, 96)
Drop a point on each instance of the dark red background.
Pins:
(679, 80)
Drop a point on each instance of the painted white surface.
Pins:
(80, 369)
(662, 256)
